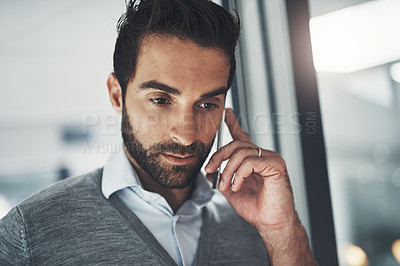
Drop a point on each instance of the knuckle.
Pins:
(227, 148)
(247, 161)
(277, 157)
(228, 170)
(281, 160)
(242, 151)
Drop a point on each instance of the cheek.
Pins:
(207, 126)
(147, 127)
(145, 119)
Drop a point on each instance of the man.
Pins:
(150, 204)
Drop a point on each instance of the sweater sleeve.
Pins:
(14, 248)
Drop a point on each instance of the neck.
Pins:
(174, 197)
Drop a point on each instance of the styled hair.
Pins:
(201, 21)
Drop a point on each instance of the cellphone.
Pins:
(216, 176)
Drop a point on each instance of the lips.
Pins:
(179, 159)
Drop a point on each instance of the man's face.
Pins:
(173, 107)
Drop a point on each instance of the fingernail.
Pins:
(221, 184)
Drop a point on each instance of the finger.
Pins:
(250, 165)
(234, 126)
(264, 166)
(227, 193)
(225, 153)
(234, 163)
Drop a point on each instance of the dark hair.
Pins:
(202, 21)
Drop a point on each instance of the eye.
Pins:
(160, 101)
(208, 106)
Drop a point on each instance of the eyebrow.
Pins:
(159, 86)
(168, 89)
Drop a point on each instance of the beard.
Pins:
(166, 175)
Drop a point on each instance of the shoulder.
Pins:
(62, 198)
(91, 179)
(67, 188)
(41, 215)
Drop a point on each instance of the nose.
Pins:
(183, 127)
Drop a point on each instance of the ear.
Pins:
(115, 93)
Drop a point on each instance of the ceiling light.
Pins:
(396, 249)
(354, 255)
(358, 37)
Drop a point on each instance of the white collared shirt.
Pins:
(178, 233)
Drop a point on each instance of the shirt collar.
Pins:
(118, 173)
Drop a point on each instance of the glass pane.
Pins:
(355, 50)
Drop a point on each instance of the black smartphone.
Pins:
(217, 174)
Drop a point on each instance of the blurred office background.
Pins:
(54, 59)
(56, 119)
(356, 49)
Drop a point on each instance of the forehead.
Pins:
(181, 64)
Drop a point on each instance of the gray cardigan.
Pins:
(72, 223)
